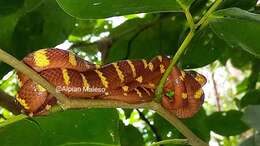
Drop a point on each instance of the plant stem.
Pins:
(8, 102)
(185, 43)
(216, 92)
(13, 120)
(208, 13)
(159, 89)
(188, 14)
(151, 126)
(172, 141)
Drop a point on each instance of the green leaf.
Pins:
(227, 123)
(239, 58)
(130, 136)
(204, 49)
(42, 29)
(27, 31)
(95, 9)
(195, 125)
(251, 98)
(239, 28)
(22, 133)
(10, 6)
(147, 37)
(8, 22)
(243, 4)
(252, 116)
(30, 5)
(72, 127)
(165, 130)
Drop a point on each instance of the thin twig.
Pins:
(159, 89)
(216, 92)
(142, 116)
(185, 43)
(208, 13)
(13, 120)
(172, 141)
(187, 14)
(8, 102)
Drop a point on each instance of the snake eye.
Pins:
(198, 77)
(192, 73)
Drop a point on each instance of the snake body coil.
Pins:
(131, 81)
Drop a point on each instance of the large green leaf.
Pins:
(72, 127)
(238, 28)
(10, 13)
(10, 6)
(94, 9)
(243, 4)
(40, 29)
(9, 22)
(22, 133)
(252, 116)
(165, 130)
(204, 49)
(147, 37)
(196, 125)
(227, 123)
(130, 136)
(33, 27)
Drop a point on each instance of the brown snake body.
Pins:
(131, 81)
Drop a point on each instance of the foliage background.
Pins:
(226, 49)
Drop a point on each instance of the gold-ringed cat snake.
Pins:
(130, 81)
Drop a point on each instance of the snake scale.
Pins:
(130, 81)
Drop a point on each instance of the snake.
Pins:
(131, 81)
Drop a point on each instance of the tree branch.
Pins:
(159, 89)
(216, 92)
(8, 102)
(208, 13)
(185, 43)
